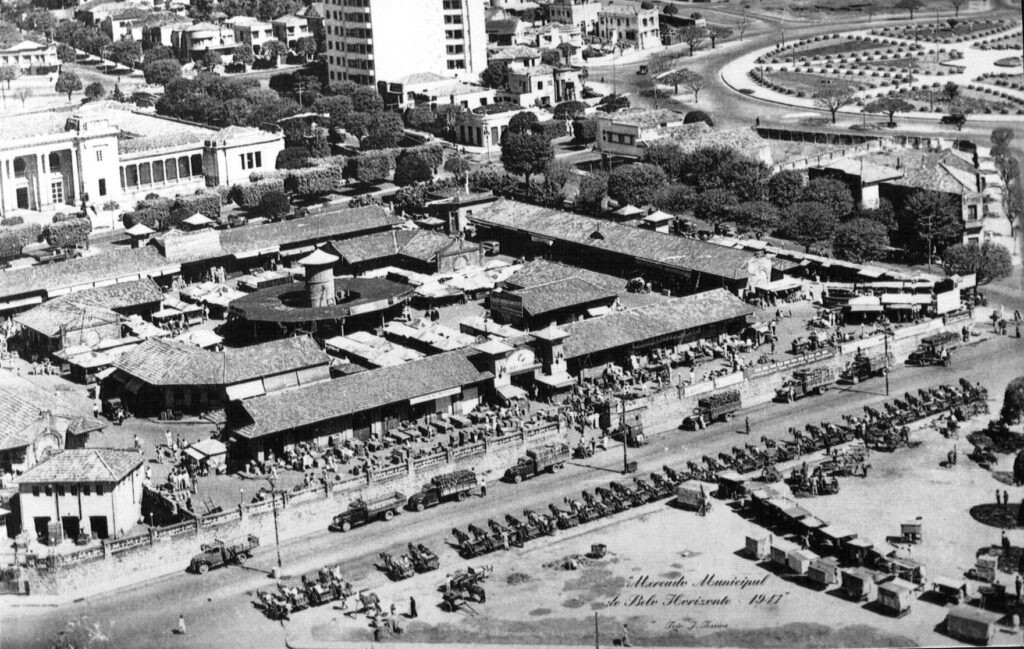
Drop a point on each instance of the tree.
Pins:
(693, 36)
(860, 240)
(457, 166)
(889, 106)
(273, 51)
(832, 97)
(412, 167)
(22, 95)
(950, 91)
(693, 82)
(832, 193)
(373, 167)
(714, 33)
(698, 116)
(162, 71)
(126, 52)
(675, 198)
(957, 118)
(243, 55)
(666, 155)
(725, 168)
(715, 205)
(420, 117)
(293, 157)
(210, 60)
(9, 73)
(758, 217)
(496, 75)
(989, 261)
(522, 122)
(118, 95)
(274, 205)
(883, 214)
(743, 25)
(68, 83)
(670, 10)
(526, 153)
(306, 47)
(785, 187)
(95, 91)
(384, 131)
(1001, 138)
(593, 189)
(910, 5)
(157, 53)
(66, 53)
(1013, 402)
(612, 103)
(584, 130)
(635, 184)
(570, 110)
(809, 223)
(933, 220)
(559, 173)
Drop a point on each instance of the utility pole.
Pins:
(885, 334)
(597, 633)
(277, 535)
(625, 437)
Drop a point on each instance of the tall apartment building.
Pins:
(385, 40)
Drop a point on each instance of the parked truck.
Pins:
(805, 382)
(546, 458)
(361, 512)
(219, 553)
(448, 486)
(864, 366)
(714, 407)
(935, 350)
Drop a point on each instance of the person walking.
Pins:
(483, 487)
(1006, 498)
(1006, 544)
(624, 639)
(746, 425)
(181, 625)
(1018, 584)
(412, 608)
(376, 634)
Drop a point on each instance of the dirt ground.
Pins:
(658, 557)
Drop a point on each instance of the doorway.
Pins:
(71, 527)
(22, 198)
(42, 526)
(98, 526)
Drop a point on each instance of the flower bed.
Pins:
(1014, 41)
(799, 84)
(1011, 81)
(1010, 62)
(974, 99)
(959, 32)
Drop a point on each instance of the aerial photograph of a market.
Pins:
(444, 324)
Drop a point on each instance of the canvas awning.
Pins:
(597, 311)
(556, 380)
(245, 390)
(139, 230)
(510, 392)
(198, 219)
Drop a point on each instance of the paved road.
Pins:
(218, 606)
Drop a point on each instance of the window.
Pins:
(35, 491)
(74, 490)
(60, 490)
(49, 490)
(86, 490)
(171, 167)
(19, 167)
(103, 186)
(259, 159)
(131, 176)
(183, 168)
(53, 160)
(99, 490)
(197, 165)
(99, 155)
(158, 171)
(57, 191)
(145, 174)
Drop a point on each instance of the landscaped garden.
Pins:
(1011, 41)
(947, 31)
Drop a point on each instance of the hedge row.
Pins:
(249, 195)
(16, 237)
(313, 181)
(69, 233)
(167, 213)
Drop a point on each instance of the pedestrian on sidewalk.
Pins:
(747, 425)
(1018, 584)
(624, 639)
(412, 608)
(181, 625)
(1006, 544)
(483, 487)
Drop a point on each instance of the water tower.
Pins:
(319, 267)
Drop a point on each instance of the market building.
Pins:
(677, 264)
(421, 251)
(162, 374)
(82, 492)
(33, 426)
(557, 302)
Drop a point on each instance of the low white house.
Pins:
(95, 491)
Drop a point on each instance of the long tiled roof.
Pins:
(318, 402)
(542, 271)
(16, 415)
(692, 137)
(169, 362)
(641, 244)
(84, 465)
(645, 117)
(48, 319)
(79, 272)
(422, 245)
(561, 294)
(119, 296)
(323, 225)
(622, 328)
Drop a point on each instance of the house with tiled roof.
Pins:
(896, 173)
(621, 132)
(162, 374)
(87, 492)
(559, 302)
(34, 424)
(629, 24)
(25, 53)
(421, 251)
(505, 32)
(88, 316)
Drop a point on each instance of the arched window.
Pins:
(54, 161)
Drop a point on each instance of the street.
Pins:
(218, 606)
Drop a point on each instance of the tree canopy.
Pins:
(68, 83)
(715, 205)
(808, 223)
(860, 240)
(526, 153)
(931, 221)
(1013, 402)
(832, 193)
(989, 261)
(889, 106)
(757, 217)
(635, 184)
